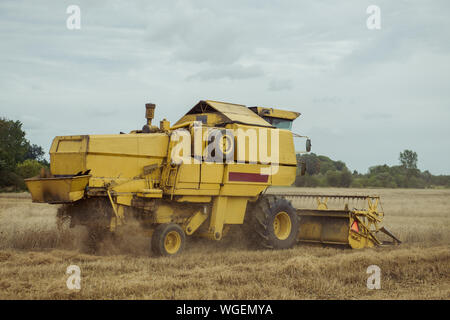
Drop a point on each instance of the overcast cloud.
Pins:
(365, 95)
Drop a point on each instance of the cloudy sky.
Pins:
(365, 95)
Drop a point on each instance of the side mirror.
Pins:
(308, 145)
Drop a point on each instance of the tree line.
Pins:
(19, 158)
(321, 171)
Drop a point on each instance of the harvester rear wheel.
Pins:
(168, 239)
(274, 223)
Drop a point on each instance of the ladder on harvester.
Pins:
(171, 178)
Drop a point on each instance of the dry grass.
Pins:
(34, 257)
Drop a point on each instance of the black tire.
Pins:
(262, 216)
(159, 238)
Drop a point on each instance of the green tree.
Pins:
(408, 159)
(312, 163)
(35, 152)
(322, 171)
(339, 165)
(29, 168)
(333, 178)
(15, 150)
(13, 145)
(346, 178)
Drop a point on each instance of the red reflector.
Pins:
(248, 177)
(355, 226)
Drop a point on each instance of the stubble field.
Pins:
(34, 256)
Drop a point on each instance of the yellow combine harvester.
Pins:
(196, 178)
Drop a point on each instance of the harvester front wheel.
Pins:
(168, 239)
(275, 223)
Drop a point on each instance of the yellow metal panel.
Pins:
(113, 166)
(228, 112)
(209, 186)
(121, 155)
(285, 176)
(239, 113)
(219, 210)
(235, 212)
(277, 113)
(131, 186)
(242, 189)
(164, 214)
(124, 155)
(287, 149)
(153, 145)
(189, 173)
(76, 195)
(67, 164)
(251, 150)
(68, 155)
(124, 199)
(194, 192)
(211, 173)
(186, 185)
(57, 190)
(246, 143)
(122, 145)
(226, 210)
(98, 182)
(324, 229)
(201, 199)
(69, 145)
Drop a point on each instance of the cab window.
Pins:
(279, 123)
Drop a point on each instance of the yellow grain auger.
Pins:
(208, 171)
